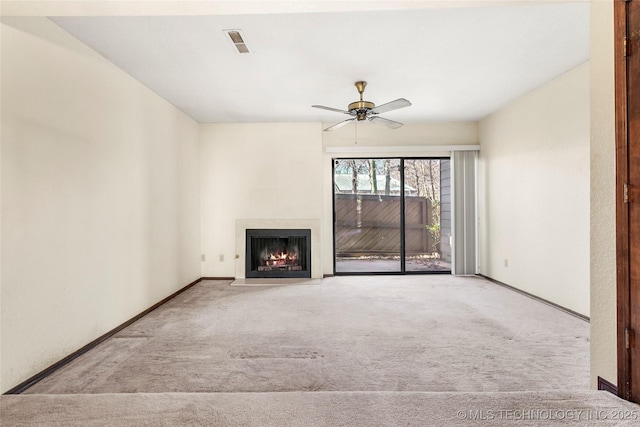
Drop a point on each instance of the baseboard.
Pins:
(324, 276)
(51, 369)
(607, 386)
(537, 298)
(217, 278)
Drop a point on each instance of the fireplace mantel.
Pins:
(313, 224)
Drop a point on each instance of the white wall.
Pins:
(534, 192)
(100, 197)
(255, 171)
(603, 214)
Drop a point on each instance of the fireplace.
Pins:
(278, 253)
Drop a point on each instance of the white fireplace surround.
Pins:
(312, 224)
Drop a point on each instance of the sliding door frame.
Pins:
(403, 270)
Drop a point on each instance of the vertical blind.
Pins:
(464, 230)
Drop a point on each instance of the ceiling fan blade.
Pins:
(385, 122)
(337, 110)
(339, 124)
(390, 106)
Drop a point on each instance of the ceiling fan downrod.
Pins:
(361, 107)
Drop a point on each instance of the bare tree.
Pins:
(424, 176)
(354, 176)
(387, 177)
(373, 176)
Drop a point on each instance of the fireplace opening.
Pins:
(278, 253)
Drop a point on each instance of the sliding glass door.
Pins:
(367, 212)
(427, 214)
(391, 215)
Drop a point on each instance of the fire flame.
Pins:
(281, 258)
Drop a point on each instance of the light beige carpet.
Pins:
(353, 351)
(548, 409)
(376, 333)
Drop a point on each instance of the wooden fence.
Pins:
(370, 224)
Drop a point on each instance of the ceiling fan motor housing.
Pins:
(360, 108)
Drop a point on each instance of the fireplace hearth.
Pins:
(278, 253)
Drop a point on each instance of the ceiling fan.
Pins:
(365, 110)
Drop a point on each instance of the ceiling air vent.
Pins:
(238, 41)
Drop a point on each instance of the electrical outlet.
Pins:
(506, 262)
(221, 258)
(203, 258)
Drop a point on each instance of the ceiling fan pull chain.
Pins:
(356, 130)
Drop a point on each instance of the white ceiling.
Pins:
(451, 63)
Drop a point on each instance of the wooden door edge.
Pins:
(622, 212)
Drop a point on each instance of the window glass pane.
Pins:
(367, 215)
(427, 210)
